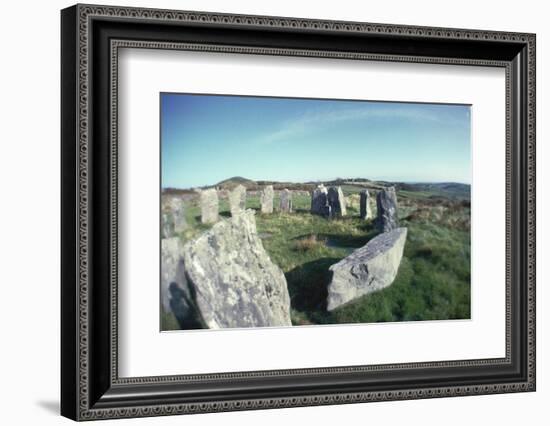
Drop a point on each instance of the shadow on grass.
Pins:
(340, 240)
(307, 285)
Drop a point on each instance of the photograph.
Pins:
(279, 211)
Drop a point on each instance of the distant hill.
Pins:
(452, 190)
(236, 180)
(447, 189)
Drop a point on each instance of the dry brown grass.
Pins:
(308, 243)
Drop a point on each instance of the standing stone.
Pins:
(176, 296)
(177, 208)
(369, 268)
(365, 210)
(170, 256)
(209, 205)
(319, 201)
(167, 225)
(386, 205)
(237, 200)
(173, 216)
(285, 203)
(336, 201)
(266, 199)
(234, 282)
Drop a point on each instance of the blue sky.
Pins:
(207, 138)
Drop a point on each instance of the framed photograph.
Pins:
(263, 212)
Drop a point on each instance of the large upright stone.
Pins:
(266, 199)
(369, 268)
(177, 208)
(233, 281)
(209, 205)
(386, 205)
(173, 216)
(176, 296)
(237, 200)
(166, 225)
(285, 203)
(336, 201)
(365, 211)
(319, 201)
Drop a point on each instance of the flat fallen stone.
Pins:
(369, 268)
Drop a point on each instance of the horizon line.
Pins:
(322, 181)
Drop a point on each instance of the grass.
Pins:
(433, 281)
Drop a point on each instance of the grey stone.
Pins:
(209, 205)
(386, 205)
(336, 201)
(266, 200)
(369, 268)
(166, 225)
(285, 204)
(176, 296)
(235, 284)
(173, 216)
(319, 201)
(237, 200)
(177, 207)
(365, 211)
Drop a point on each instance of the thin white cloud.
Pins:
(313, 120)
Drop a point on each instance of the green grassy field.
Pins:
(433, 282)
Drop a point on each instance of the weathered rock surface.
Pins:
(285, 204)
(336, 201)
(209, 205)
(369, 268)
(319, 201)
(166, 225)
(173, 216)
(234, 283)
(365, 211)
(386, 205)
(237, 200)
(266, 200)
(176, 296)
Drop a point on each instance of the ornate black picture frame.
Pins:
(90, 38)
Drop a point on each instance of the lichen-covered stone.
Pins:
(365, 211)
(176, 296)
(319, 201)
(237, 200)
(209, 205)
(386, 205)
(285, 203)
(233, 281)
(166, 225)
(266, 200)
(173, 219)
(369, 268)
(336, 201)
